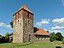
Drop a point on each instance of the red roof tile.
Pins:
(41, 32)
(24, 7)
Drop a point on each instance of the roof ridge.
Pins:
(24, 7)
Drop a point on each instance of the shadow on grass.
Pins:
(4, 42)
(24, 44)
(13, 45)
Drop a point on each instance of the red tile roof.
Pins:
(24, 14)
(41, 32)
(24, 7)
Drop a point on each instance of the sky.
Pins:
(48, 14)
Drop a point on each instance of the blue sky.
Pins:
(48, 14)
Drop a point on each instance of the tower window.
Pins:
(23, 18)
(29, 37)
(18, 21)
(15, 22)
(28, 15)
(18, 15)
(28, 21)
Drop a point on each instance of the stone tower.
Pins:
(23, 26)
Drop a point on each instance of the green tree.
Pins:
(52, 36)
(47, 31)
(7, 37)
(59, 36)
(11, 23)
(63, 41)
(0, 35)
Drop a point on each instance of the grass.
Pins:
(31, 45)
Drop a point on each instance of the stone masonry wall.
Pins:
(23, 27)
(28, 28)
(18, 30)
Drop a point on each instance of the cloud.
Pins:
(59, 21)
(8, 26)
(4, 25)
(45, 29)
(43, 22)
(59, 25)
(57, 28)
(55, 31)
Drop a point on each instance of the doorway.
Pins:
(29, 37)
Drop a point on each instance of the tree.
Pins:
(11, 23)
(0, 35)
(7, 37)
(59, 36)
(63, 41)
(52, 36)
(47, 31)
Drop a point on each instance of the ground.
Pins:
(32, 45)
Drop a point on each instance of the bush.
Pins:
(7, 37)
(63, 41)
(58, 36)
(2, 39)
(52, 36)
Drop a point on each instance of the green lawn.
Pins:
(31, 45)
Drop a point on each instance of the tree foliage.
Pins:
(63, 41)
(7, 37)
(47, 31)
(59, 36)
(11, 23)
(52, 36)
(0, 35)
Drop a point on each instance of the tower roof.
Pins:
(25, 8)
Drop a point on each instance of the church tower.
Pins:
(23, 26)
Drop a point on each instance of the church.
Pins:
(23, 27)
